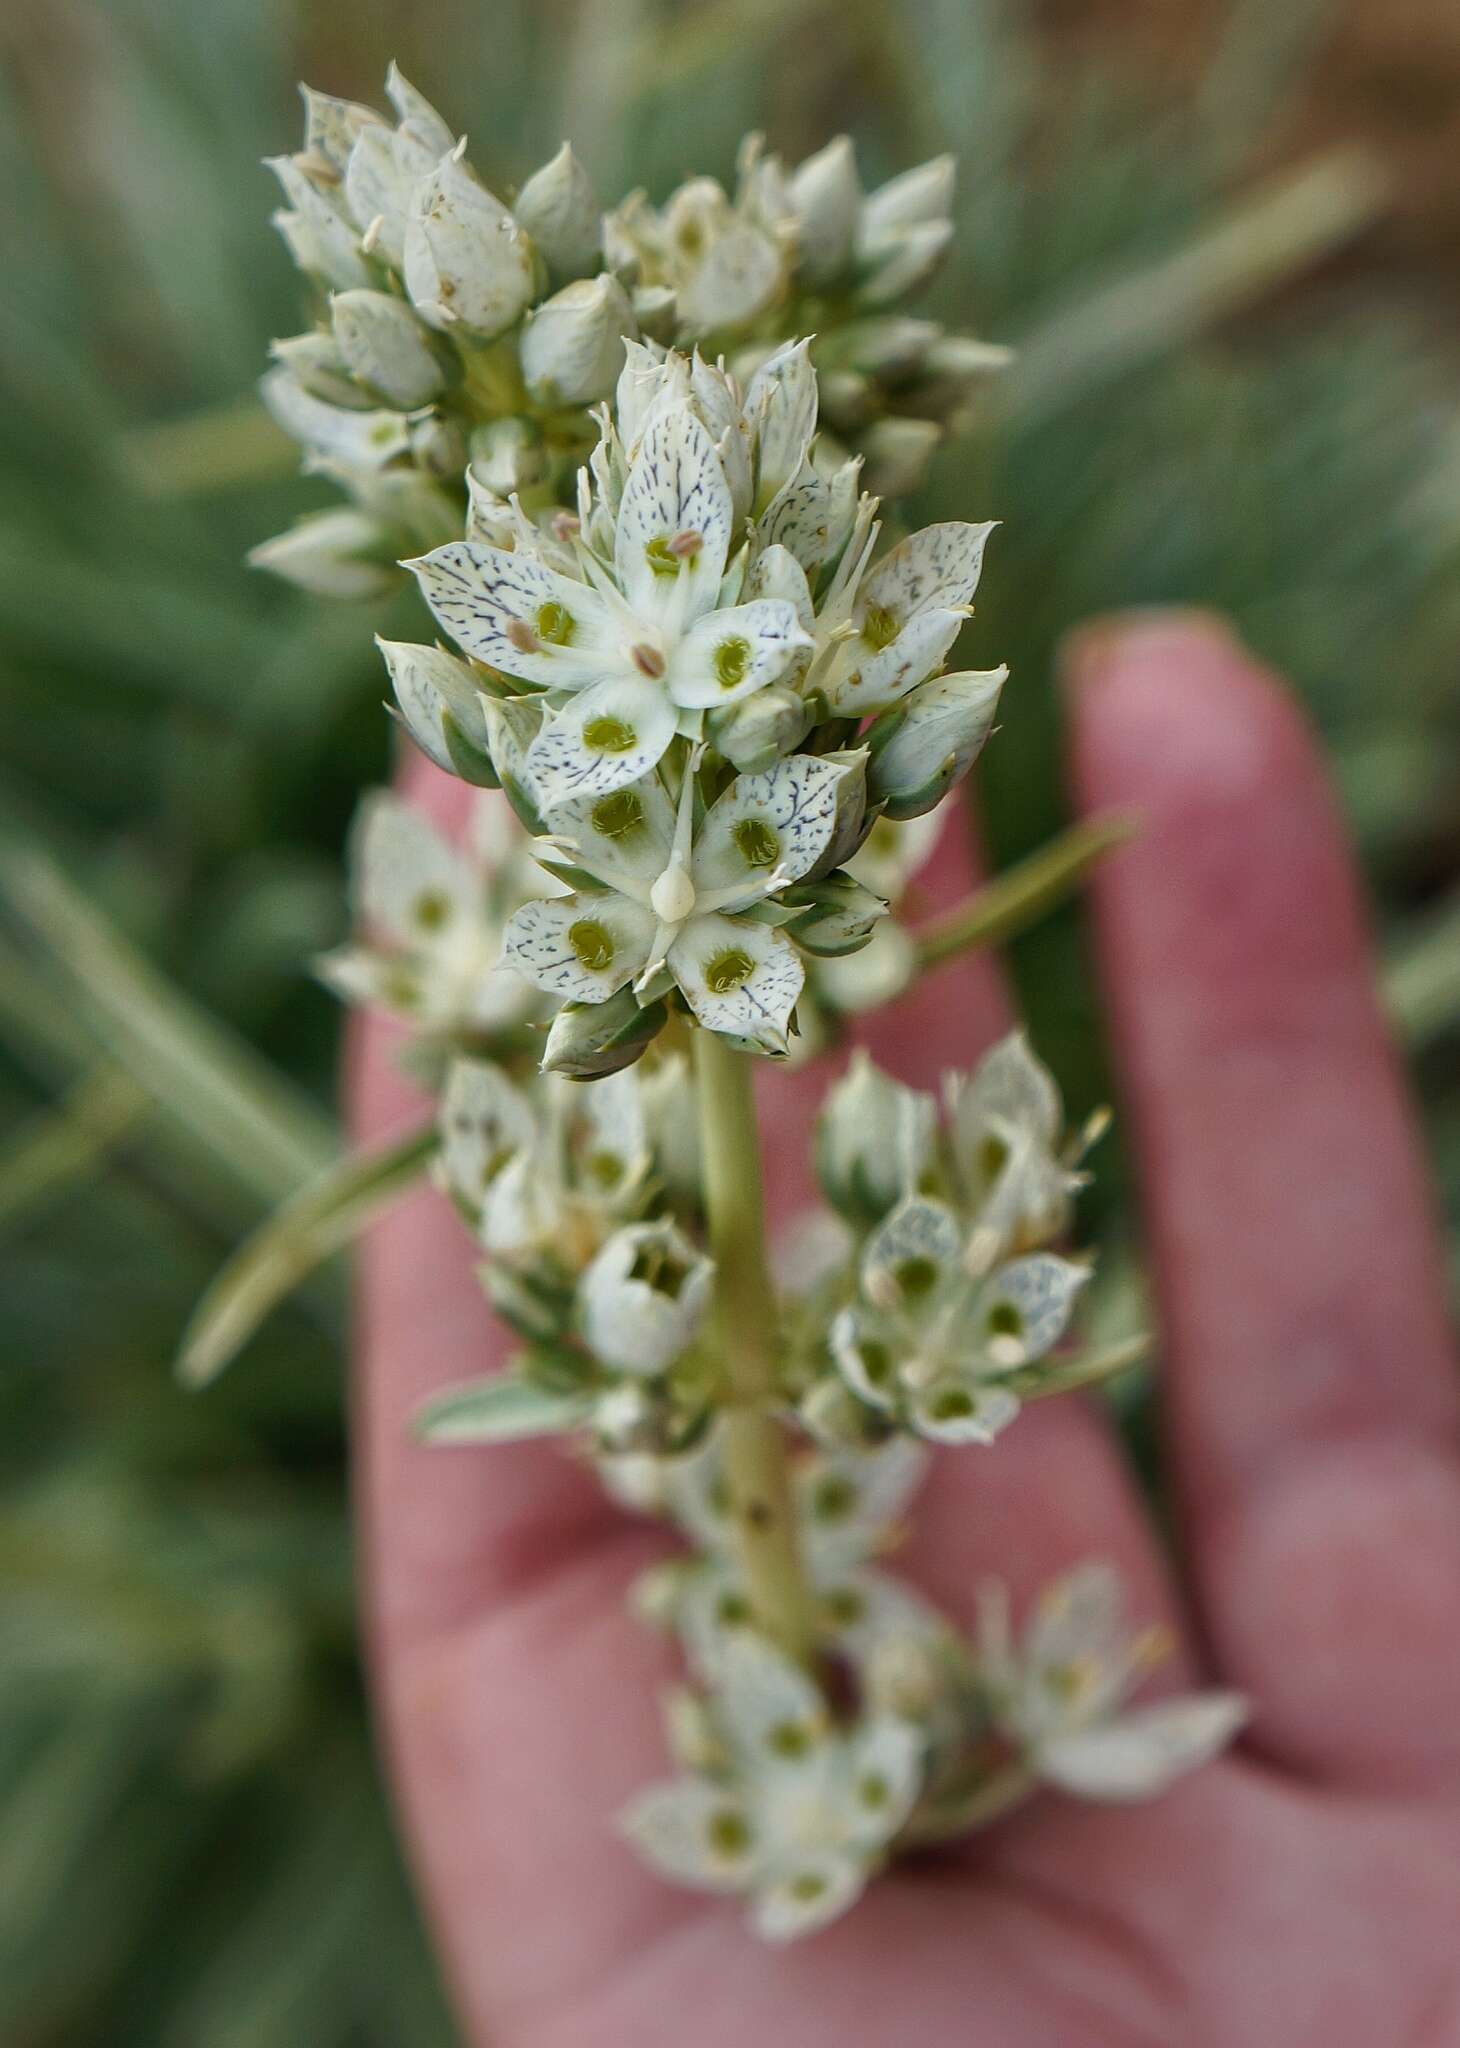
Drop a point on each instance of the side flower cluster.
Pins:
(465, 336)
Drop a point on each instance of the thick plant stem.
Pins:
(1023, 894)
(757, 1470)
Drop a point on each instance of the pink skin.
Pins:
(1305, 1890)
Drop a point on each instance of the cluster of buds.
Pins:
(711, 726)
(463, 337)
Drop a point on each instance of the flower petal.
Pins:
(730, 654)
(695, 1832)
(673, 533)
(624, 838)
(1143, 1752)
(406, 881)
(959, 1409)
(739, 978)
(1025, 1306)
(885, 673)
(519, 616)
(913, 1258)
(782, 820)
(816, 1889)
(485, 1122)
(583, 948)
(608, 736)
(771, 1712)
(846, 1501)
(865, 1356)
(885, 1760)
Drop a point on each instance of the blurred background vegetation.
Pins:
(1225, 243)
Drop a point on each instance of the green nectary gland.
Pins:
(728, 1832)
(592, 944)
(658, 1268)
(951, 1405)
(661, 557)
(756, 843)
(879, 626)
(556, 624)
(833, 1498)
(917, 1278)
(431, 909)
(1004, 1320)
(618, 814)
(728, 971)
(732, 662)
(609, 736)
(992, 1155)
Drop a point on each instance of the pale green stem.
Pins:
(757, 1469)
(1021, 896)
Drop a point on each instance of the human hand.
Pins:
(1304, 1889)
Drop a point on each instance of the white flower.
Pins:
(848, 1505)
(1059, 1693)
(549, 1174)
(434, 916)
(672, 899)
(642, 1299)
(799, 1816)
(572, 347)
(935, 1343)
(632, 652)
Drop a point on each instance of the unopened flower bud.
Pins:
(834, 916)
(321, 237)
(755, 733)
(383, 344)
(850, 799)
(923, 194)
(874, 1141)
(560, 211)
(656, 311)
(316, 365)
(467, 262)
(897, 262)
(344, 553)
(931, 739)
(438, 446)
(898, 452)
(442, 709)
(827, 198)
(512, 725)
(572, 347)
(589, 1040)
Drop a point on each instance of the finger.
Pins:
(1312, 1396)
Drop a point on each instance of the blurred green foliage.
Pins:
(1209, 408)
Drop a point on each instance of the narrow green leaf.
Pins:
(500, 1410)
(318, 1221)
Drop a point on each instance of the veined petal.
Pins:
(1009, 1082)
(1145, 1751)
(727, 655)
(872, 676)
(800, 519)
(776, 573)
(807, 1894)
(1077, 1620)
(1025, 1306)
(959, 1409)
(695, 1832)
(406, 881)
(865, 1356)
(673, 534)
(739, 978)
(624, 838)
(582, 948)
(518, 615)
(781, 821)
(608, 736)
(914, 1257)
(935, 568)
